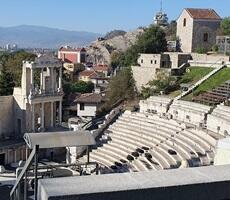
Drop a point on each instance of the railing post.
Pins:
(97, 169)
(36, 172)
(25, 186)
(88, 149)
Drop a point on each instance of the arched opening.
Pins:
(205, 37)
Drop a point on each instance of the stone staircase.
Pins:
(199, 82)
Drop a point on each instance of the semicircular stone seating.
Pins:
(143, 142)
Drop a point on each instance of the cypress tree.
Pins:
(6, 82)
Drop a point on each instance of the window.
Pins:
(187, 117)
(205, 37)
(141, 60)
(185, 22)
(155, 62)
(151, 61)
(82, 106)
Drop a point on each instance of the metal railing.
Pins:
(32, 165)
(15, 193)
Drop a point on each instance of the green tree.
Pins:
(13, 64)
(79, 87)
(82, 87)
(6, 82)
(225, 26)
(163, 83)
(151, 41)
(170, 31)
(79, 67)
(121, 87)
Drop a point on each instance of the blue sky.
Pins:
(97, 15)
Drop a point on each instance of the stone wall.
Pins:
(202, 27)
(177, 59)
(210, 58)
(142, 75)
(150, 60)
(6, 116)
(185, 33)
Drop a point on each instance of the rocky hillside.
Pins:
(101, 49)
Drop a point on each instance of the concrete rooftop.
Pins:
(132, 181)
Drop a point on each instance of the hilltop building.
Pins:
(197, 28)
(151, 64)
(161, 18)
(71, 55)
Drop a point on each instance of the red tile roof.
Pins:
(196, 13)
(90, 73)
(88, 98)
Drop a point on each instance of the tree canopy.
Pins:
(151, 41)
(13, 64)
(79, 87)
(225, 26)
(121, 87)
(6, 82)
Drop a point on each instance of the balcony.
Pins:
(38, 95)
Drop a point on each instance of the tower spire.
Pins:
(161, 6)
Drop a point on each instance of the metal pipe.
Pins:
(62, 165)
(25, 186)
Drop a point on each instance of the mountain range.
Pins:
(28, 36)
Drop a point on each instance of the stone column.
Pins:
(60, 79)
(42, 117)
(41, 80)
(55, 79)
(32, 79)
(60, 112)
(51, 114)
(33, 118)
(51, 79)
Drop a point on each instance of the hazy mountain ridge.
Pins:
(44, 37)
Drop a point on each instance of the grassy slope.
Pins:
(195, 74)
(192, 76)
(216, 80)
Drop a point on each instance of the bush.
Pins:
(201, 50)
(225, 26)
(78, 87)
(163, 83)
(215, 48)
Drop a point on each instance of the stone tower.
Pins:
(197, 28)
(161, 18)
